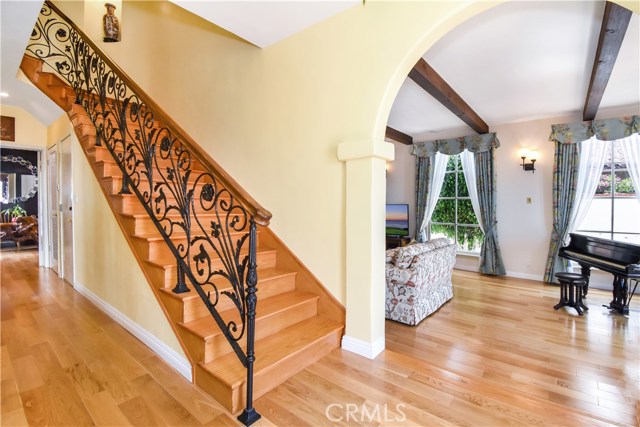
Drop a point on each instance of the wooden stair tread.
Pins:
(195, 172)
(170, 261)
(206, 327)
(263, 276)
(169, 215)
(179, 232)
(272, 350)
(192, 179)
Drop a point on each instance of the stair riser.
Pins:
(132, 206)
(128, 205)
(103, 154)
(218, 346)
(234, 398)
(138, 226)
(108, 169)
(195, 309)
(83, 129)
(112, 185)
(158, 248)
(83, 119)
(166, 277)
(155, 249)
(145, 226)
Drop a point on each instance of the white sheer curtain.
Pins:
(592, 154)
(631, 151)
(468, 161)
(439, 168)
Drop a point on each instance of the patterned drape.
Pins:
(567, 138)
(473, 143)
(604, 130)
(490, 257)
(565, 177)
(429, 177)
(631, 151)
(423, 180)
(483, 147)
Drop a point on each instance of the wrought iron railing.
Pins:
(204, 216)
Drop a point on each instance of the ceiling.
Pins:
(16, 23)
(515, 62)
(520, 61)
(263, 23)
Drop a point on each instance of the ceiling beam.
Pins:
(430, 81)
(396, 135)
(614, 26)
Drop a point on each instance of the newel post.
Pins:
(249, 415)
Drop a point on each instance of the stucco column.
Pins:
(365, 238)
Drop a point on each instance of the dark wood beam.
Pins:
(430, 81)
(396, 135)
(614, 26)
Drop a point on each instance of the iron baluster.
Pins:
(181, 285)
(249, 414)
(125, 184)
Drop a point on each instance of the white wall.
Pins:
(401, 181)
(524, 229)
(30, 133)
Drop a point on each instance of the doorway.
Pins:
(54, 241)
(19, 198)
(66, 210)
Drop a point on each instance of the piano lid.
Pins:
(605, 249)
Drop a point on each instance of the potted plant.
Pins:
(14, 212)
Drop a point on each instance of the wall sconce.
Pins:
(531, 166)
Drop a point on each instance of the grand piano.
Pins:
(618, 258)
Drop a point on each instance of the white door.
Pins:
(66, 210)
(54, 241)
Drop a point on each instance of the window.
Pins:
(614, 211)
(453, 216)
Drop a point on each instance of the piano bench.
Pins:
(571, 291)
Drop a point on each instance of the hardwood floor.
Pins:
(497, 354)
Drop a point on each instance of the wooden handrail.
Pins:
(260, 214)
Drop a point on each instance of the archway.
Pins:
(365, 192)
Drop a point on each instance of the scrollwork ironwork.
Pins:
(207, 229)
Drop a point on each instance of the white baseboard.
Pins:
(166, 353)
(363, 348)
(517, 275)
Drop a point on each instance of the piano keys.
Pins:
(618, 258)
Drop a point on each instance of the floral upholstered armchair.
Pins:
(418, 279)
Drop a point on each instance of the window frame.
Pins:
(458, 172)
(612, 196)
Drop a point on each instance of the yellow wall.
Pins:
(104, 263)
(274, 117)
(30, 133)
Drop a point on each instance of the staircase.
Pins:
(296, 320)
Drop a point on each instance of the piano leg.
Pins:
(586, 272)
(620, 302)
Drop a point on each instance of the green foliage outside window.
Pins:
(453, 215)
(622, 186)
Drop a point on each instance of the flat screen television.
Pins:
(397, 220)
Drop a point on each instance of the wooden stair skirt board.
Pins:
(297, 320)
